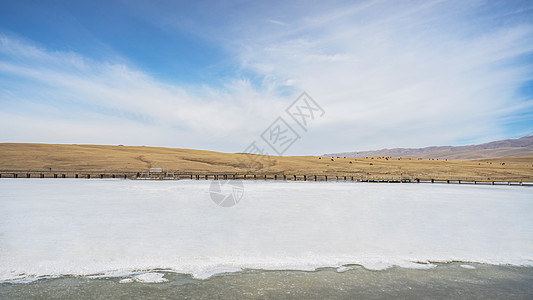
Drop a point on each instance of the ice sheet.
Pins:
(51, 227)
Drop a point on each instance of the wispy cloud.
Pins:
(91, 93)
(388, 74)
(405, 75)
(276, 22)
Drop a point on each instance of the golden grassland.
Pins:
(23, 156)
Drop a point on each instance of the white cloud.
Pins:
(276, 22)
(199, 118)
(388, 74)
(403, 76)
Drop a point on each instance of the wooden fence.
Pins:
(144, 175)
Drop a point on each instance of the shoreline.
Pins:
(446, 281)
(215, 272)
(277, 177)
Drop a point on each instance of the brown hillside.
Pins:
(18, 156)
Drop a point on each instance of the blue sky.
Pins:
(214, 74)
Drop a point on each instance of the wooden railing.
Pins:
(297, 176)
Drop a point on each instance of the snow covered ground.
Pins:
(53, 227)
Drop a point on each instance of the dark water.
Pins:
(447, 281)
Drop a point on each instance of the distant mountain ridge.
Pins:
(520, 147)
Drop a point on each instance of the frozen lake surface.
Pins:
(55, 227)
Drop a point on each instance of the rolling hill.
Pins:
(56, 157)
(522, 147)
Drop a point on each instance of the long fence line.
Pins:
(300, 176)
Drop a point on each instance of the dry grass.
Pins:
(18, 156)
